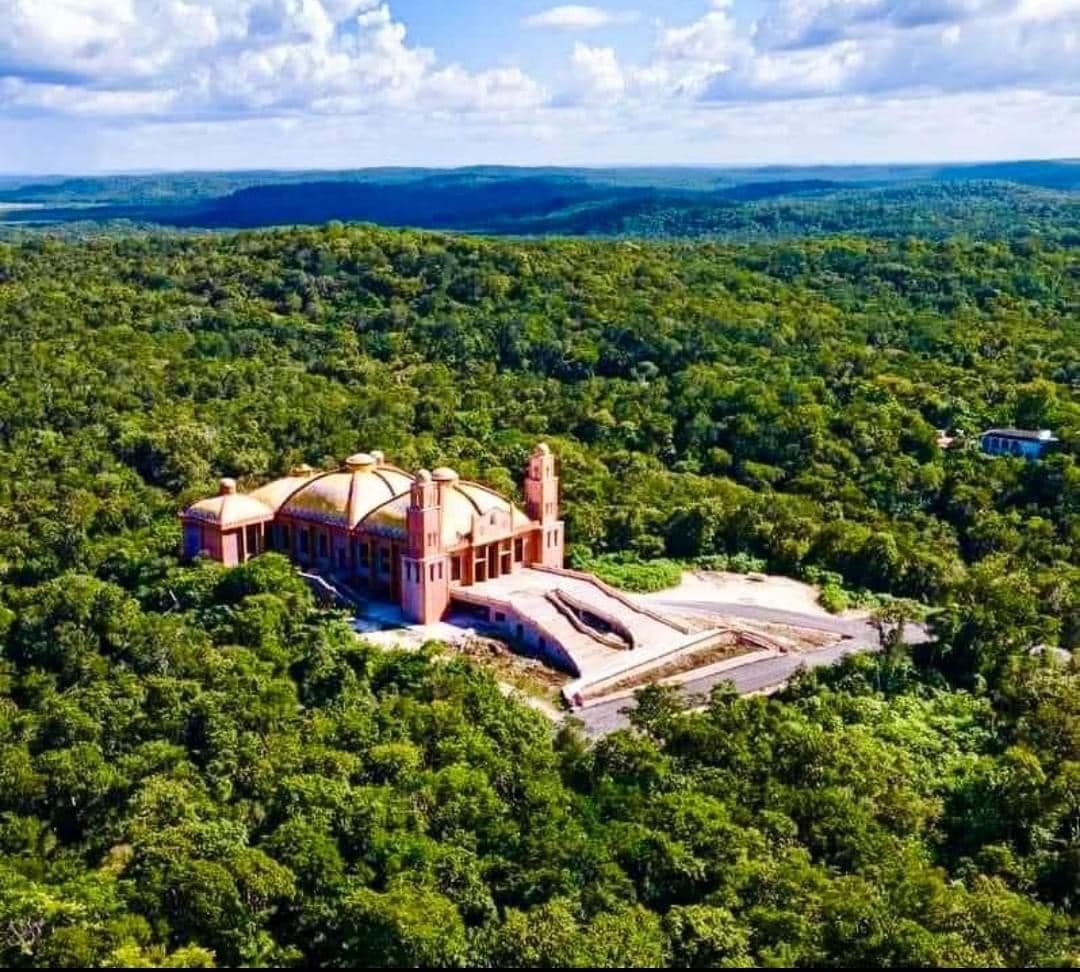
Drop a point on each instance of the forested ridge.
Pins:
(1008, 200)
(200, 765)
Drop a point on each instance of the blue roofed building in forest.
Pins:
(1023, 443)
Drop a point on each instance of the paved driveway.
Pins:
(858, 635)
(856, 629)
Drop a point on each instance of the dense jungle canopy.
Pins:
(200, 765)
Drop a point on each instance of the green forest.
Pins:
(201, 766)
(997, 199)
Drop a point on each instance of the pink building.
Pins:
(391, 535)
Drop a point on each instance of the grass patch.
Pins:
(629, 573)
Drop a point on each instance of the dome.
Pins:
(542, 449)
(444, 474)
(274, 493)
(345, 497)
(461, 503)
(229, 509)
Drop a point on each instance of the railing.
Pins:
(331, 590)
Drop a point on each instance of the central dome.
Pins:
(345, 497)
(461, 503)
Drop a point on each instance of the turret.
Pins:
(425, 569)
(542, 506)
(542, 486)
(424, 519)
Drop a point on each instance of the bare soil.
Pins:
(683, 663)
(528, 674)
(761, 590)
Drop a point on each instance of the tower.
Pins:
(542, 506)
(425, 572)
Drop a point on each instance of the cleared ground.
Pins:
(754, 590)
(784, 610)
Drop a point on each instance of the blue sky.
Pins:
(113, 85)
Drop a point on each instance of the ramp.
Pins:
(579, 622)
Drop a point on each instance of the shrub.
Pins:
(833, 598)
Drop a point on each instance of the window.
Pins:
(192, 541)
(440, 571)
(519, 550)
(455, 568)
(303, 541)
(499, 616)
(384, 560)
(286, 539)
(365, 555)
(322, 545)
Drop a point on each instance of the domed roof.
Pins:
(461, 503)
(229, 509)
(274, 493)
(345, 497)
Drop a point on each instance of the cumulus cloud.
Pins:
(578, 17)
(823, 48)
(597, 73)
(811, 23)
(718, 77)
(840, 47)
(231, 57)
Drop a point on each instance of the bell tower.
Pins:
(425, 570)
(542, 506)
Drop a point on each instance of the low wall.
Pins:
(524, 632)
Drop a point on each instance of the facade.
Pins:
(410, 539)
(1025, 443)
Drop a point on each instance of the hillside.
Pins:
(998, 200)
(200, 766)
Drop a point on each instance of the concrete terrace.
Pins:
(577, 621)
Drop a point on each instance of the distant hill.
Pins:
(1004, 198)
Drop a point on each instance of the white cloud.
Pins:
(597, 73)
(713, 87)
(232, 58)
(578, 17)
(811, 48)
